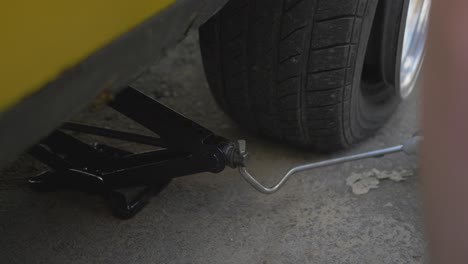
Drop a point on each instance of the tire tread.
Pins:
(297, 62)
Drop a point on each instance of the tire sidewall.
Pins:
(366, 116)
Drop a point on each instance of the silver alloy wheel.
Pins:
(413, 44)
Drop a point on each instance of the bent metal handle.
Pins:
(269, 190)
(410, 147)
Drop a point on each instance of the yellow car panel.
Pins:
(40, 39)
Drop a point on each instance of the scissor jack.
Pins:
(127, 179)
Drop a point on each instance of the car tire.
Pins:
(321, 74)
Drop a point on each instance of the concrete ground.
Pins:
(218, 218)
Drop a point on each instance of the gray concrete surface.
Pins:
(218, 218)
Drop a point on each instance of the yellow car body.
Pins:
(41, 39)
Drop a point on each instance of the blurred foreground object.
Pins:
(445, 126)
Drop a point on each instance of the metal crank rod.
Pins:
(410, 147)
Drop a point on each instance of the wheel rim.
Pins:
(413, 44)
